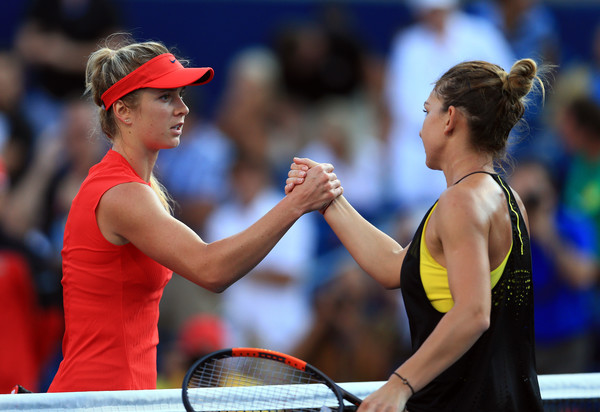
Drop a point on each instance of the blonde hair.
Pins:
(493, 100)
(108, 65)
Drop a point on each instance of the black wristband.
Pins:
(405, 381)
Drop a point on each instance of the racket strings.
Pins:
(250, 384)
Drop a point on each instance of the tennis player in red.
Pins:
(121, 242)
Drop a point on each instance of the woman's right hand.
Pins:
(391, 397)
(313, 184)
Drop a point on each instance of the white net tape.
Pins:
(572, 386)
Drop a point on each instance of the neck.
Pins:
(467, 164)
(141, 160)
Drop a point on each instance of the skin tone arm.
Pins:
(377, 253)
(131, 212)
(25, 204)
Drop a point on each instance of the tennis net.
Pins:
(564, 393)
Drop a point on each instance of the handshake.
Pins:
(317, 183)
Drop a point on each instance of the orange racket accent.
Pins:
(270, 354)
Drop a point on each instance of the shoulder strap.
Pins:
(472, 173)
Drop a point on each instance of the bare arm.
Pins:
(463, 230)
(26, 202)
(131, 212)
(377, 253)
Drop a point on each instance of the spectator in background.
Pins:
(440, 37)
(55, 40)
(583, 77)
(579, 129)
(356, 333)
(198, 336)
(35, 216)
(528, 25)
(16, 137)
(320, 61)
(576, 92)
(31, 322)
(357, 158)
(269, 308)
(30, 294)
(39, 204)
(564, 273)
(578, 78)
(249, 110)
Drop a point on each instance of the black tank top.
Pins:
(498, 372)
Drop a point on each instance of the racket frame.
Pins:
(289, 360)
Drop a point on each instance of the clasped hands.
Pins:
(305, 171)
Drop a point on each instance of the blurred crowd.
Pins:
(315, 91)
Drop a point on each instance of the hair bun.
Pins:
(520, 80)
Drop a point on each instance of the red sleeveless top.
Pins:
(111, 296)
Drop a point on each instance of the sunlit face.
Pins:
(432, 131)
(159, 117)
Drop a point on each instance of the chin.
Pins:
(172, 144)
(431, 165)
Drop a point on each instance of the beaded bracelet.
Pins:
(405, 381)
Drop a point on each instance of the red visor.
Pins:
(161, 72)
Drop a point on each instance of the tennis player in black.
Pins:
(466, 276)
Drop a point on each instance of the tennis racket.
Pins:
(250, 379)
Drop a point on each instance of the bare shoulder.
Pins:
(125, 208)
(475, 201)
(474, 216)
(128, 199)
(461, 200)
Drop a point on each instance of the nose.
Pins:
(181, 107)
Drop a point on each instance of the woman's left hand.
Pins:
(297, 173)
